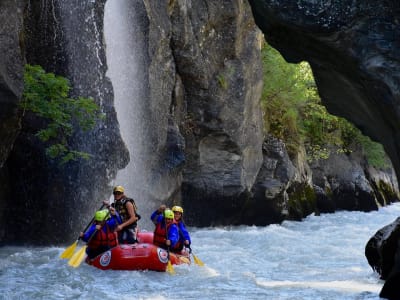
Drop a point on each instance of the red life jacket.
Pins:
(103, 238)
(160, 234)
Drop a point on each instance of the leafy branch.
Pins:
(47, 96)
(293, 112)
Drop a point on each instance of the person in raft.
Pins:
(166, 233)
(184, 237)
(101, 235)
(126, 207)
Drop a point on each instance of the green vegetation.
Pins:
(293, 112)
(374, 152)
(302, 201)
(47, 96)
(222, 81)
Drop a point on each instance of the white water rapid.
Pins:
(321, 257)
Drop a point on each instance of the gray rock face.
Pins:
(350, 184)
(353, 49)
(383, 254)
(270, 189)
(64, 37)
(216, 49)
(11, 86)
(11, 70)
(165, 102)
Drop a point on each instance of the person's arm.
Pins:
(185, 233)
(115, 219)
(173, 235)
(86, 236)
(154, 217)
(157, 216)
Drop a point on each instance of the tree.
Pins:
(47, 96)
(293, 112)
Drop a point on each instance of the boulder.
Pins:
(383, 254)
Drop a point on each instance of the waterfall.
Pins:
(124, 22)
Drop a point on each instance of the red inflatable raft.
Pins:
(141, 256)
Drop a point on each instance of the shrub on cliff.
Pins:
(293, 113)
(47, 96)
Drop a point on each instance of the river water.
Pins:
(319, 258)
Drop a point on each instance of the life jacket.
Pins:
(103, 238)
(160, 236)
(120, 207)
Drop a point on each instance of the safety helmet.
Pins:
(119, 188)
(101, 215)
(177, 209)
(168, 214)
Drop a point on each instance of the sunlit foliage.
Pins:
(293, 112)
(47, 96)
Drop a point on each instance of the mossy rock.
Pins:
(302, 201)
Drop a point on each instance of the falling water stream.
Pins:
(125, 47)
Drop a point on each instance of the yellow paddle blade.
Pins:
(78, 257)
(170, 268)
(69, 251)
(197, 261)
(185, 260)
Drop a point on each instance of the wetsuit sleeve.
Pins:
(156, 217)
(114, 221)
(184, 231)
(173, 235)
(89, 233)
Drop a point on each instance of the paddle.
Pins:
(71, 249)
(170, 268)
(79, 256)
(184, 259)
(196, 259)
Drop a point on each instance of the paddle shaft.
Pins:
(170, 268)
(166, 237)
(196, 259)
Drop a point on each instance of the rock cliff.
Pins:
(11, 86)
(353, 49)
(203, 132)
(47, 200)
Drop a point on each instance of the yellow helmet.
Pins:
(177, 209)
(119, 188)
(168, 214)
(101, 215)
